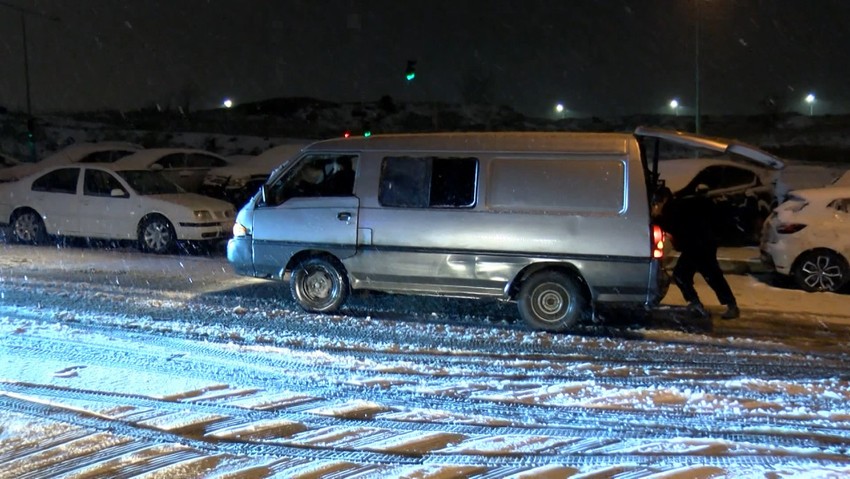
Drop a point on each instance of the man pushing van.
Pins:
(691, 221)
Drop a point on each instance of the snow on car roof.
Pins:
(78, 150)
(144, 158)
(843, 180)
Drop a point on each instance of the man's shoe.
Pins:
(697, 310)
(731, 312)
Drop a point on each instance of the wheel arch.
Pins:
(312, 253)
(23, 209)
(513, 288)
(803, 254)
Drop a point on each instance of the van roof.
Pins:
(615, 143)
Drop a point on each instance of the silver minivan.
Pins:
(557, 222)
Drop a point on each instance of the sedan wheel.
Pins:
(27, 227)
(821, 270)
(157, 235)
(319, 285)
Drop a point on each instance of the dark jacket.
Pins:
(692, 221)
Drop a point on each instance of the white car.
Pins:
(102, 152)
(808, 238)
(185, 166)
(244, 175)
(107, 202)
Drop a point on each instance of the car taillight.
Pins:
(657, 242)
(788, 228)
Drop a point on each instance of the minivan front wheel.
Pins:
(319, 285)
(821, 270)
(551, 301)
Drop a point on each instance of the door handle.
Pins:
(344, 216)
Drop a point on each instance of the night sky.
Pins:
(598, 57)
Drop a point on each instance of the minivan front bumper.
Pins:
(240, 255)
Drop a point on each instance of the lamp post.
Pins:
(674, 104)
(227, 103)
(559, 109)
(696, 67)
(30, 121)
(810, 99)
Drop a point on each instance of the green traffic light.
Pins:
(367, 133)
(410, 76)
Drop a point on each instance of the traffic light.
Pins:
(410, 71)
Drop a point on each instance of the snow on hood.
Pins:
(821, 195)
(193, 201)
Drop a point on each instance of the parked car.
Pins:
(185, 166)
(244, 175)
(102, 152)
(742, 180)
(107, 202)
(807, 237)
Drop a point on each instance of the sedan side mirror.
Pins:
(118, 193)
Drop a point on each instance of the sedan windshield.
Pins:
(146, 182)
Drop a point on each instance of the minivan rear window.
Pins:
(428, 182)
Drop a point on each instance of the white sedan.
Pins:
(808, 238)
(107, 202)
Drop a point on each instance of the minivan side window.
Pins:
(58, 181)
(428, 182)
(315, 176)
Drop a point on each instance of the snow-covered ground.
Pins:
(115, 363)
(171, 366)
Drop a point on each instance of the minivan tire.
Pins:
(319, 285)
(551, 301)
(156, 235)
(28, 228)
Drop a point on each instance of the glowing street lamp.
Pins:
(227, 103)
(810, 99)
(674, 104)
(559, 108)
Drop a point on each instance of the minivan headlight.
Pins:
(203, 215)
(239, 230)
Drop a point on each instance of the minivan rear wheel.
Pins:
(319, 285)
(551, 301)
(821, 270)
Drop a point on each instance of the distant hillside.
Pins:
(252, 127)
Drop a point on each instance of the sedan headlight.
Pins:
(203, 215)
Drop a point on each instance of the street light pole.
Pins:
(696, 67)
(30, 121)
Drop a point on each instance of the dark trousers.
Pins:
(704, 262)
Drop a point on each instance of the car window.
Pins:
(173, 160)
(108, 156)
(315, 176)
(428, 182)
(146, 182)
(733, 176)
(200, 160)
(100, 183)
(841, 204)
(58, 181)
(711, 177)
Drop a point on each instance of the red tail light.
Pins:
(788, 228)
(657, 242)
